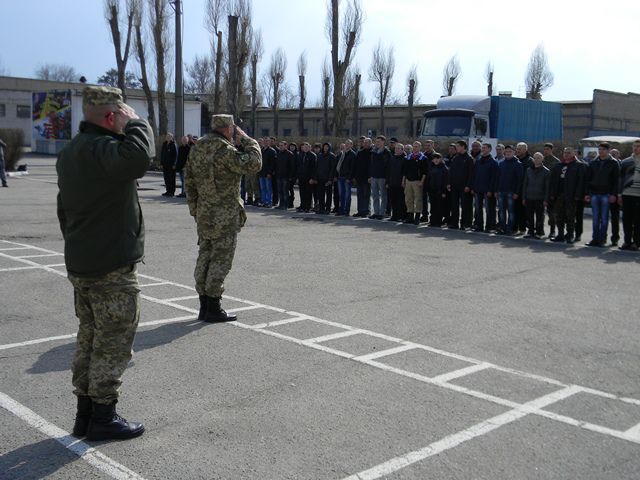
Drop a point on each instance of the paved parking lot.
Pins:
(362, 350)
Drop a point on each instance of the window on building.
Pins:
(265, 132)
(3, 110)
(23, 111)
(286, 132)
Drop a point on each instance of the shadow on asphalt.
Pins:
(578, 250)
(59, 358)
(35, 461)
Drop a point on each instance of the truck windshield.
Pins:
(446, 126)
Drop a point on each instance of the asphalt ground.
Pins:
(363, 349)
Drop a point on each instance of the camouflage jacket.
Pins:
(212, 182)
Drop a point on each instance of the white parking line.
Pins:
(85, 451)
(16, 269)
(40, 255)
(446, 377)
(332, 336)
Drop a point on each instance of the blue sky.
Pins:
(587, 48)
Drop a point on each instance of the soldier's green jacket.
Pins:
(98, 208)
(212, 182)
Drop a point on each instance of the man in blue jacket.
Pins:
(484, 188)
(508, 186)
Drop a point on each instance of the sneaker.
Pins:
(626, 246)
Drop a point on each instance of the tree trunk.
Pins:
(412, 87)
(490, 85)
(276, 99)
(121, 60)
(325, 109)
(161, 75)
(355, 126)
(301, 108)
(218, 74)
(144, 80)
(254, 94)
(232, 43)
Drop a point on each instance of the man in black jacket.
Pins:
(566, 188)
(266, 174)
(103, 230)
(461, 181)
(344, 167)
(183, 154)
(360, 177)
(306, 176)
(284, 171)
(601, 190)
(168, 157)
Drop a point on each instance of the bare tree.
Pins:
(57, 72)
(112, 15)
(352, 21)
(355, 98)
(412, 82)
(302, 95)
(277, 69)
(257, 50)
(326, 92)
(288, 96)
(488, 76)
(239, 42)
(141, 56)
(450, 75)
(159, 22)
(215, 11)
(538, 77)
(200, 73)
(381, 71)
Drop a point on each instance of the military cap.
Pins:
(221, 121)
(101, 96)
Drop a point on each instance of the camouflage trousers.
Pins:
(252, 185)
(215, 257)
(108, 310)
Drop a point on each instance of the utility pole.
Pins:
(179, 94)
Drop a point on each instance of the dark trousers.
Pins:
(565, 210)
(438, 207)
(274, 190)
(169, 179)
(447, 208)
(579, 218)
(520, 215)
(614, 215)
(305, 194)
(364, 195)
(425, 203)
(292, 193)
(461, 199)
(535, 216)
(552, 218)
(484, 204)
(396, 200)
(631, 219)
(324, 196)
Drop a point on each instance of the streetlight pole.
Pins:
(179, 94)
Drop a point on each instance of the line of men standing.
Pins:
(508, 193)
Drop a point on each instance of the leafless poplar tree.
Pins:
(355, 98)
(159, 23)
(141, 56)
(239, 42)
(488, 76)
(302, 91)
(343, 38)
(257, 50)
(412, 87)
(450, 75)
(57, 72)
(326, 92)
(381, 71)
(112, 15)
(539, 76)
(215, 11)
(277, 69)
(200, 73)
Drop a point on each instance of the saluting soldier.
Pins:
(103, 230)
(216, 164)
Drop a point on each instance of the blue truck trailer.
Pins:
(493, 119)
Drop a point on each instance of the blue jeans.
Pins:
(344, 193)
(600, 217)
(266, 192)
(379, 195)
(505, 207)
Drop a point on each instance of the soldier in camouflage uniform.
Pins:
(213, 172)
(103, 230)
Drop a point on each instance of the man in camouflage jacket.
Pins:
(216, 164)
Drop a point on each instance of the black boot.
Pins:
(203, 307)
(215, 313)
(106, 424)
(409, 218)
(83, 415)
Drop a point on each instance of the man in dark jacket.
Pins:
(265, 174)
(485, 174)
(284, 171)
(325, 173)
(566, 188)
(168, 158)
(508, 187)
(306, 176)
(183, 154)
(394, 183)
(550, 161)
(360, 177)
(523, 155)
(629, 198)
(535, 191)
(461, 181)
(380, 157)
(437, 183)
(103, 230)
(344, 167)
(601, 189)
